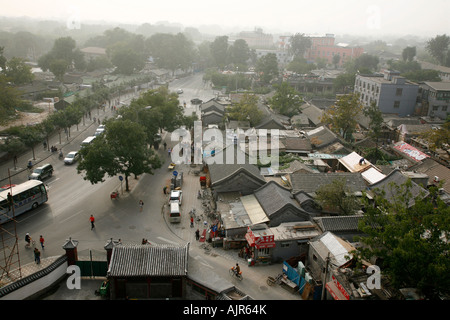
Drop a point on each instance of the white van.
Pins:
(176, 196)
(87, 141)
(175, 214)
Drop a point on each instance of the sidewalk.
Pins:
(41, 155)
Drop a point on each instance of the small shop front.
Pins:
(336, 290)
(261, 242)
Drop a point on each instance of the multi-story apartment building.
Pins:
(392, 93)
(435, 99)
(324, 47)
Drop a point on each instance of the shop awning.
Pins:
(335, 292)
(258, 243)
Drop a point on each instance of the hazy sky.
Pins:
(419, 17)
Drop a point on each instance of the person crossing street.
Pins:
(92, 220)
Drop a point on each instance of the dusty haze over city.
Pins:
(424, 18)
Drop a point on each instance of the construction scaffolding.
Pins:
(10, 269)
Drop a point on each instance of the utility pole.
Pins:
(325, 277)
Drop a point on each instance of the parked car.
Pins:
(176, 196)
(180, 91)
(196, 101)
(71, 157)
(42, 172)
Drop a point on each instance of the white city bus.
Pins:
(25, 196)
(87, 141)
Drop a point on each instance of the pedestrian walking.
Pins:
(197, 234)
(37, 256)
(165, 189)
(192, 222)
(165, 145)
(92, 220)
(141, 205)
(41, 240)
(169, 152)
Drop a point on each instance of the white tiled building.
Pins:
(391, 93)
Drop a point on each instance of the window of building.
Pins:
(396, 104)
(399, 92)
(435, 108)
(444, 108)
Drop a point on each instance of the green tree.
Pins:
(239, 52)
(126, 60)
(343, 115)
(440, 138)
(30, 136)
(336, 60)
(219, 50)
(438, 47)
(344, 82)
(375, 121)
(300, 65)
(409, 53)
(321, 62)
(2, 58)
(299, 43)
(59, 68)
(18, 71)
(9, 99)
(267, 67)
(422, 75)
(246, 110)
(286, 100)
(337, 197)
(171, 51)
(409, 242)
(13, 146)
(123, 149)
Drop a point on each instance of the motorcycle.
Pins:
(233, 273)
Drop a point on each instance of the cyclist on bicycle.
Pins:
(237, 269)
(28, 239)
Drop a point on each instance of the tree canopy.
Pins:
(438, 47)
(337, 197)
(343, 115)
(122, 149)
(410, 243)
(246, 110)
(286, 100)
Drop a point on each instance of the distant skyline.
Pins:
(357, 17)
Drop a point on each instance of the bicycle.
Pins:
(277, 280)
(233, 273)
(30, 244)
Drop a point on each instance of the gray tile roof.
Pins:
(219, 172)
(434, 169)
(149, 260)
(389, 183)
(321, 137)
(297, 144)
(310, 182)
(272, 197)
(212, 105)
(313, 113)
(338, 223)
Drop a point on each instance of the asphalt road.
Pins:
(72, 200)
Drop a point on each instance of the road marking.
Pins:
(73, 215)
